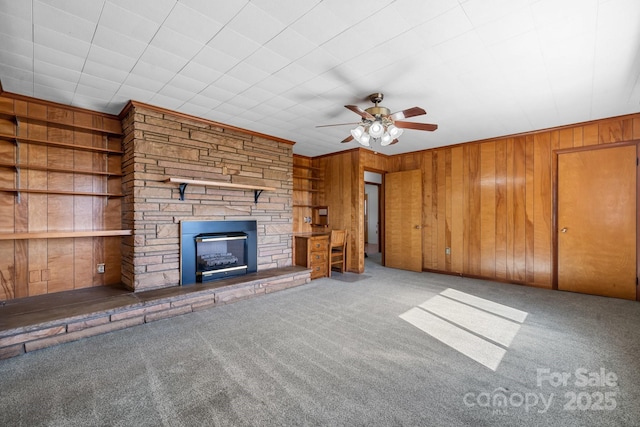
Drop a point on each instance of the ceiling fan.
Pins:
(379, 124)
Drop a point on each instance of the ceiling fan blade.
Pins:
(409, 112)
(338, 124)
(416, 126)
(359, 111)
(395, 141)
(347, 139)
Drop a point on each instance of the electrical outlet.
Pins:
(100, 268)
(447, 251)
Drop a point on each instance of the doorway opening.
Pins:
(372, 216)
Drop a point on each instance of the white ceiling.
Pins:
(481, 68)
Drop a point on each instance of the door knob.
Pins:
(563, 230)
(418, 227)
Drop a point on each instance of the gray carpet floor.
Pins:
(344, 351)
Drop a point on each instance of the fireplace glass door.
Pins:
(220, 255)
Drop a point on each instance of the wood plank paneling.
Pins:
(39, 266)
(488, 209)
(501, 220)
(457, 212)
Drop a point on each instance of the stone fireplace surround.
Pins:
(159, 144)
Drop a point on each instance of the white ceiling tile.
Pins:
(220, 11)
(148, 77)
(56, 71)
(421, 11)
(246, 73)
(61, 41)
(163, 59)
(171, 91)
(516, 23)
(233, 44)
(103, 71)
(156, 11)
(231, 85)
(215, 60)
(15, 45)
(267, 60)
(287, 11)
(199, 72)
(16, 60)
(100, 86)
(192, 24)
(290, 44)
(244, 22)
(215, 93)
(16, 81)
(185, 83)
(322, 23)
(114, 41)
(48, 16)
(482, 12)
(87, 9)
(16, 9)
(52, 94)
(447, 26)
(204, 101)
(15, 26)
(176, 43)
(56, 57)
(136, 93)
(166, 101)
(111, 59)
(53, 82)
(89, 102)
(195, 109)
(132, 25)
(348, 45)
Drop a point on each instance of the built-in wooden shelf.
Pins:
(59, 144)
(258, 189)
(62, 192)
(56, 169)
(309, 190)
(64, 234)
(311, 168)
(18, 118)
(309, 178)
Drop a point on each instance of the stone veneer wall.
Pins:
(160, 144)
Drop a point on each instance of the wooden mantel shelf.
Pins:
(64, 234)
(257, 189)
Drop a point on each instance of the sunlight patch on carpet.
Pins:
(479, 328)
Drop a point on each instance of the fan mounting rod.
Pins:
(376, 111)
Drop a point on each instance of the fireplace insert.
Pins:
(220, 255)
(226, 248)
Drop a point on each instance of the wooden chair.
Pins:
(338, 251)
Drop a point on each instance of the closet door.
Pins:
(597, 194)
(403, 220)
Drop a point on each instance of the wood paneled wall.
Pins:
(34, 266)
(491, 202)
(342, 190)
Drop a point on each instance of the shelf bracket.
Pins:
(256, 195)
(183, 187)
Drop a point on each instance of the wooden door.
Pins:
(597, 221)
(403, 220)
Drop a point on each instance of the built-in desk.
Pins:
(311, 250)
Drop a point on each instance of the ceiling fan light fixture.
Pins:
(357, 133)
(394, 131)
(364, 139)
(376, 130)
(386, 139)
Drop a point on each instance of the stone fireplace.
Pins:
(211, 250)
(160, 144)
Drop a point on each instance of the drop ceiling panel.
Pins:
(479, 68)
